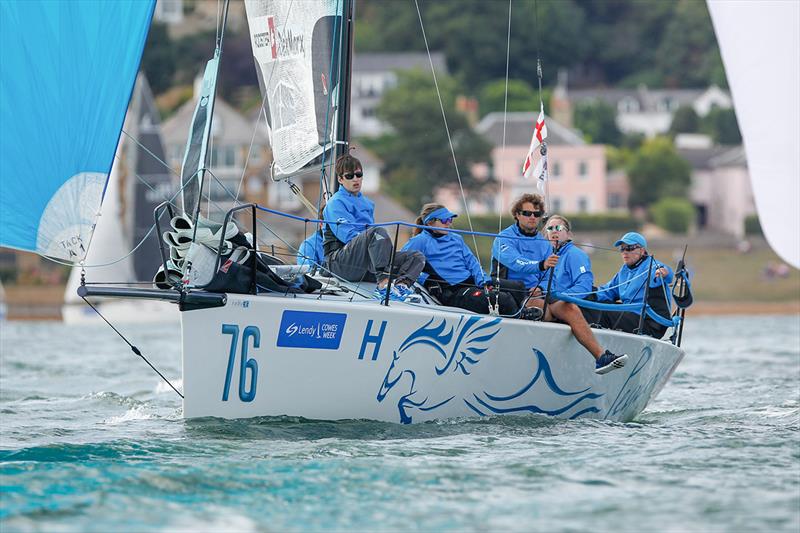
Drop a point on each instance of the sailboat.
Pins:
(335, 352)
(138, 182)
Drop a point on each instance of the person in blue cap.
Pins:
(628, 287)
(572, 276)
(452, 272)
(520, 252)
(354, 251)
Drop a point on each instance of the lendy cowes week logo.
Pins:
(308, 329)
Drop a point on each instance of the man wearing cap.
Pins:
(521, 252)
(628, 287)
(354, 251)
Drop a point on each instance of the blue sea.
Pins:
(91, 440)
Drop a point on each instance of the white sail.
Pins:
(295, 46)
(760, 46)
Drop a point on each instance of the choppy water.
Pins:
(91, 441)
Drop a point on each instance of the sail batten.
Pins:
(66, 76)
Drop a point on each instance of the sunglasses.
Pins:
(445, 220)
(352, 175)
(557, 227)
(629, 247)
(527, 213)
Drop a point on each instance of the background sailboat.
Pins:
(139, 181)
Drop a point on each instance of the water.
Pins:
(91, 441)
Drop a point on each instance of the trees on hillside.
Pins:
(417, 154)
(657, 171)
(598, 122)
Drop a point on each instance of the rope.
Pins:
(134, 349)
(447, 129)
(501, 203)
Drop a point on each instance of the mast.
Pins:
(345, 82)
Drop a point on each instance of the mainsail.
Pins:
(760, 46)
(296, 46)
(66, 76)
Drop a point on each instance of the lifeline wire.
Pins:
(134, 349)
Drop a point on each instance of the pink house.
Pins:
(577, 170)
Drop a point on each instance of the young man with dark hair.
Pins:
(355, 251)
(521, 252)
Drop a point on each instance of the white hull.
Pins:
(328, 359)
(121, 312)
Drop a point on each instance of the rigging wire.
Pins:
(447, 129)
(501, 203)
(134, 349)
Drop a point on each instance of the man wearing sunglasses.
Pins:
(628, 287)
(521, 252)
(354, 251)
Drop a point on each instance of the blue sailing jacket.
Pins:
(573, 272)
(521, 255)
(449, 257)
(310, 250)
(346, 207)
(632, 292)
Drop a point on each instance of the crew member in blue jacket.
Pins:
(628, 287)
(521, 252)
(572, 276)
(310, 250)
(452, 272)
(355, 251)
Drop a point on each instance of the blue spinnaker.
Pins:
(67, 70)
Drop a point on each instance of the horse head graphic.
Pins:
(432, 354)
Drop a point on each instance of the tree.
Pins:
(657, 171)
(673, 214)
(685, 120)
(521, 96)
(598, 122)
(417, 153)
(158, 59)
(722, 126)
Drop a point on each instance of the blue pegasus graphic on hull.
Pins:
(429, 360)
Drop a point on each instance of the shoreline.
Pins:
(701, 308)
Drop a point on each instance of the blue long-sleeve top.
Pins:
(310, 250)
(573, 272)
(448, 256)
(632, 292)
(521, 254)
(345, 206)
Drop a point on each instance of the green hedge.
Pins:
(752, 225)
(580, 222)
(673, 214)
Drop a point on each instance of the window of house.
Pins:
(583, 204)
(583, 170)
(555, 204)
(628, 105)
(556, 170)
(614, 200)
(223, 156)
(368, 112)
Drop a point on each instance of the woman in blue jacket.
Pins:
(572, 276)
(452, 273)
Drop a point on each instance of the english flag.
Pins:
(539, 135)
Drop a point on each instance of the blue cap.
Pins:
(439, 214)
(632, 238)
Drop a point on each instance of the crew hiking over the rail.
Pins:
(524, 254)
(628, 287)
(573, 275)
(452, 272)
(353, 250)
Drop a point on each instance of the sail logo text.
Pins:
(307, 329)
(281, 42)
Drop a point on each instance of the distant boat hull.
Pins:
(121, 312)
(324, 359)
